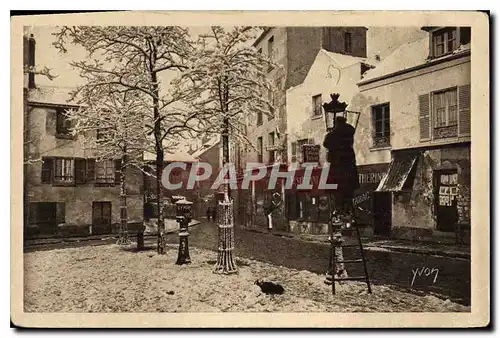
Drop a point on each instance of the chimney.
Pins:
(31, 61)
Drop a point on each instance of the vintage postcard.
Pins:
(250, 169)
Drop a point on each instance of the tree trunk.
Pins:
(159, 167)
(123, 237)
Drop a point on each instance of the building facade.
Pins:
(330, 73)
(294, 49)
(66, 191)
(416, 115)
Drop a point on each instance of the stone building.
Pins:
(66, 191)
(416, 116)
(294, 49)
(330, 73)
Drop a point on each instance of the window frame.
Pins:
(56, 180)
(381, 138)
(348, 42)
(317, 107)
(63, 124)
(108, 178)
(445, 33)
(260, 149)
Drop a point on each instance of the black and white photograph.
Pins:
(319, 168)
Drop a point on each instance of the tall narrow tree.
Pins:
(136, 58)
(107, 124)
(230, 79)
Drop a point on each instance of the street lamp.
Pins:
(334, 109)
(183, 215)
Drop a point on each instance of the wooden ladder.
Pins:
(333, 260)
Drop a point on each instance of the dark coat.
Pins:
(343, 170)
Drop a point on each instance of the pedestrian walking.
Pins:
(209, 213)
(214, 214)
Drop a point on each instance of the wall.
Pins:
(358, 38)
(324, 79)
(78, 199)
(414, 210)
(402, 93)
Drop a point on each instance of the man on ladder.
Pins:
(343, 171)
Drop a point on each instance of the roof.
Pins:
(406, 57)
(51, 95)
(177, 156)
(344, 60)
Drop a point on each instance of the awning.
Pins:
(399, 169)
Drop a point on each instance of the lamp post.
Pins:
(183, 215)
(339, 140)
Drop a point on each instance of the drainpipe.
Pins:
(31, 62)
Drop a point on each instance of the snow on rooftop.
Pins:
(50, 95)
(407, 56)
(206, 146)
(345, 61)
(176, 156)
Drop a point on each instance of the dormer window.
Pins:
(444, 41)
(447, 39)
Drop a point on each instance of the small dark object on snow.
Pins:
(270, 288)
(170, 292)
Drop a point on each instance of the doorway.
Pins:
(446, 199)
(101, 218)
(382, 213)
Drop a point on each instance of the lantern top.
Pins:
(334, 106)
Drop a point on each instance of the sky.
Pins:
(380, 41)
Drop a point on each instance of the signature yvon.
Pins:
(424, 271)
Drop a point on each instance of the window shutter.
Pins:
(47, 170)
(464, 110)
(118, 167)
(79, 170)
(61, 212)
(425, 116)
(91, 170)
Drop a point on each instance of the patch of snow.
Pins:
(110, 278)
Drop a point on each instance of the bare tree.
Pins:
(228, 80)
(134, 58)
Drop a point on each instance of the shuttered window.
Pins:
(47, 166)
(464, 110)
(80, 171)
(91, 170)
(423, 101)
(294, 151)
(64, 170)
(118, 170)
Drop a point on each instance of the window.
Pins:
(63, 124)
(46, 216)
(316, 103)
(270, 96)
(444, 41)
(63, 170)
(105, 172)
(382, 126)
(445, 112)
(270, 51)
(271, 154)
(260, 149)
(259, 118)
(348, 42)
(300, 143)
(294, 151)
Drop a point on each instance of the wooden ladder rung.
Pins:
(360, 260)
(349, 278)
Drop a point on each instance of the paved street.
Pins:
(384, 267)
